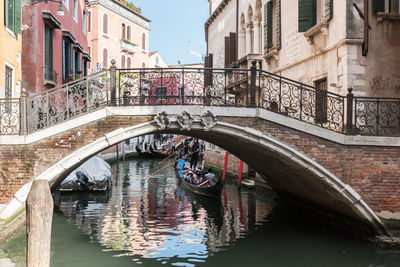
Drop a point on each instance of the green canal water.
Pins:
(153, 221)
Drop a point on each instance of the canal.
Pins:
(153, 221)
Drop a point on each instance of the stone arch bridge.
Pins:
(353, 177)
(317, 158)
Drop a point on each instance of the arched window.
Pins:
(129, 63)
(123, 62)
(105, 23)
(123, 31)
(128, 33)
(143, 65)
(105, 58)
(144, 41)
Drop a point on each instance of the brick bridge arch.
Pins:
(305, 161)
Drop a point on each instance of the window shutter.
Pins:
(379, 6)
(227, 52)
(265, 29)
(232, 49)
(269, 25)
(307, 14)
(278, 25)
(10, 13)
(17, 25)
(328, 10)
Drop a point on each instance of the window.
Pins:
(272, 26)
(312, 12)
(144, 41)
(105, 58)
(321, 107)
(386, 6)
(66, 4)
(84, 66)
(75, 10)
(12, 15)
(128, 63)
(77, 60)
(67, 60)
(123, 31)
(9, 82)
(90, 55)
(48, 53)
(128, 32)
(123, 62)
(84, 21)
(89, 25)
(105, 24)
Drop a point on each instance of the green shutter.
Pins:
(328, 9)
(278, 25)
(17, 29)
(307, 14)
(10, 14)
(265, 29)
(379, 6)
(269, 25)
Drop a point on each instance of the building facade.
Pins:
(117, 31)
(10, 48)
(156, 60)
(54, 46)
(329, 44)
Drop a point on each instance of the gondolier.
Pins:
(195, 156)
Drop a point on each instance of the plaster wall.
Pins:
(111, 41)
(10, 55)
(33, 41)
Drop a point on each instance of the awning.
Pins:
(78, 47)
(68, 36)
(51, 20)
(86, 56)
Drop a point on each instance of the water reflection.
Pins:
(153, 217)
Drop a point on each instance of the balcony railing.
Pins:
(127, 46)
(206, 87)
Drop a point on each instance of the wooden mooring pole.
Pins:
(39, 215)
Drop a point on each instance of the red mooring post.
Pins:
(225, 165)
(240, 172)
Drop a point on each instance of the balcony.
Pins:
(127, 46)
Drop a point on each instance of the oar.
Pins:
(172, 155)
(203, 183)
(169, 164)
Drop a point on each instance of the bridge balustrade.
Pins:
(202, 87)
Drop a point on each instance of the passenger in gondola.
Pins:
(190, 177)
(197, 177)
(151, 149)
(210, 177)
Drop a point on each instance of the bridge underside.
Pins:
(288, 171)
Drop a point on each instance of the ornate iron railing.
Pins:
(301, 101)
(68, 101)
(183, 86)
(377, 116)
(9, 116)
(206, 87)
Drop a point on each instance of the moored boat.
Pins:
(93, 175)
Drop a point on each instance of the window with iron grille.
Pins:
(48, 53)
(8, 85)
(321, 108)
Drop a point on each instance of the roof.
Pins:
(153, 53)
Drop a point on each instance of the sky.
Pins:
(177, 28)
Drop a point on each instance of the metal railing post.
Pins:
(113, 81)
(23, 121)
(253, 73)
(349, 111)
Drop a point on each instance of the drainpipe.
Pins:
(237, 29)
(366, 31)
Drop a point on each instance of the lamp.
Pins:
(60, 10)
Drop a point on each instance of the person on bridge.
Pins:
(195, 154)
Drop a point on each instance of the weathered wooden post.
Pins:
(39, 215)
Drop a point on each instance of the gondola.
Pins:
(154, 154)
(204, 190)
